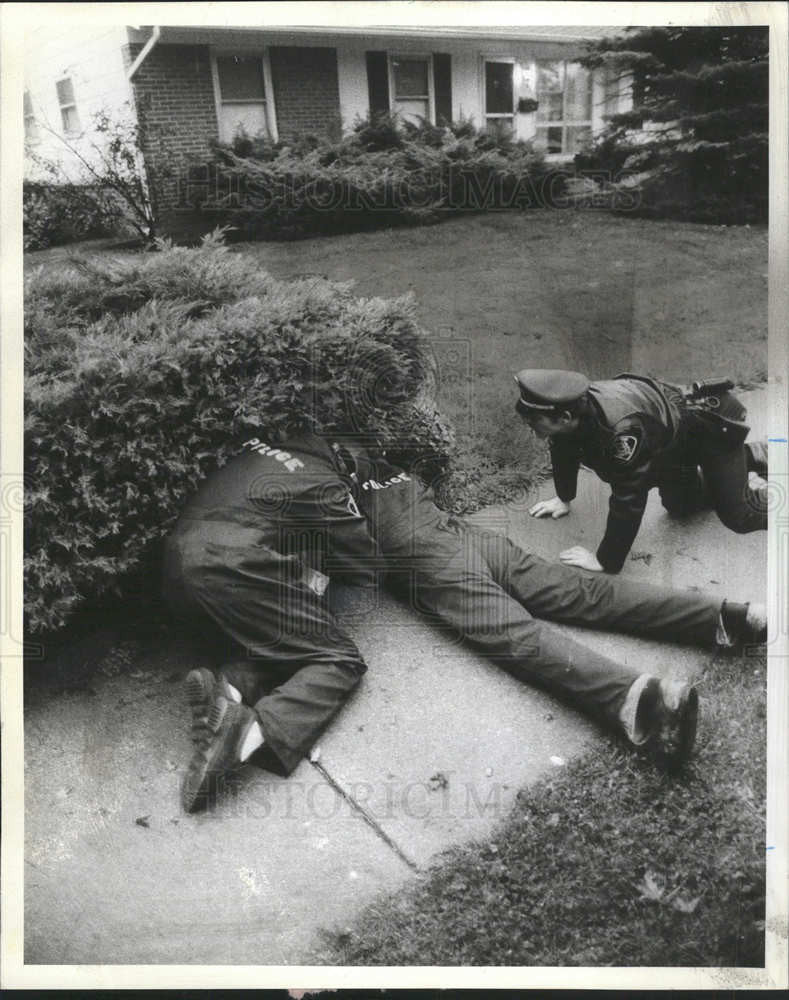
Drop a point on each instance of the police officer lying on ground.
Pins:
(636, 433)
(252, 552)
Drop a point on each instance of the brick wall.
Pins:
(306, 92)
(174, 94)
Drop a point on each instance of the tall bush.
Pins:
(53, 214)
(103, 169)
(697, 134)
(172, 359)
(386, 172)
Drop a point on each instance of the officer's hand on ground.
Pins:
(550, 508)
(580, 557)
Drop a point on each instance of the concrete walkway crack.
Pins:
(369, 820)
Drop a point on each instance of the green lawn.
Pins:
(609, 862)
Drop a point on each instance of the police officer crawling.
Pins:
(636, 433)
(251, 559)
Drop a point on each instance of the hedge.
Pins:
(386, 172)
(53, 214)
(144, 374)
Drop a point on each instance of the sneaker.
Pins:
(741, 624)
(230, 734)
(666, 721)
(201, 689)
(756, 624)
(756, 457)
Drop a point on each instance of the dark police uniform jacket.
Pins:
(637, 433)
(340, 509)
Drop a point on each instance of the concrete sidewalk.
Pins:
(429, 753)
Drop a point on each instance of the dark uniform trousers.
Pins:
(723, 483)
(297, 666)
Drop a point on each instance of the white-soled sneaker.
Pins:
(741, 624)
(230, 735)
(201, 689)
(756, 623)
(666, 721)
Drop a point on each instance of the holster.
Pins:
(715, 422)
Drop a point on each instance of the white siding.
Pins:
(352, 81)
(93, 58)
(466, 96)
(352, 68)
(467, 73)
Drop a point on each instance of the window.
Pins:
(31, 128)
(68, 106)
(412, 86)
(499, 95)
(564, 115)
(240, 89)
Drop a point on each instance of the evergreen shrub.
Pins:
(101, 179)
(54, 214)
(386, 172)
(145, 374)
(695, 141)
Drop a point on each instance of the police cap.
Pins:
(547, 388)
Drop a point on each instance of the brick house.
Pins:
(190, 86)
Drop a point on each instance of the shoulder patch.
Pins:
(624, 447)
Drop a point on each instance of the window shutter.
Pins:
(442, 84)
(377, 82)
(65, 89)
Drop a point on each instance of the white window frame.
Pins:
(564, 123)
(269, 104)
(68, 106)
(427, 57)
(498, 115)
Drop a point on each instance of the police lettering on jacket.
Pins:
(291, 464)
(373, 484)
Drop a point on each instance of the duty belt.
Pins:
(707, 394)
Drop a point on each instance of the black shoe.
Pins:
(222, 746)
(666, 721)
